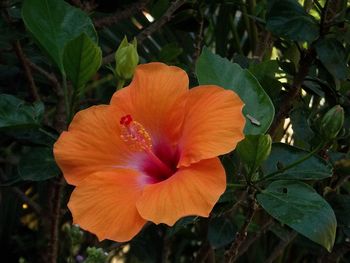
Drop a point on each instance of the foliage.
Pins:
(287, 60)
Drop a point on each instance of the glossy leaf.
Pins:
(300, 207)
(16, 114)
(221, 231)
(81, 58)
(265, 74)
(54, 23)
(38, 164)
(258, 110)
(288, 19)
(333, 56)
(282, 155)
(302, 132)
(254, 149)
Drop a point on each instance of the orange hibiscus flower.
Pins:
(151, 155)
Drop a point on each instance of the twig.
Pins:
(36, 208)
(238, 202)
(78, 3)
(50, 76)
(232, 253)
(155, 26)
(199, 41)
(129, 11)
(281, 246)
(203, 252)
(56, 197)
(166, 247)
(341, 182)
(60, 117)
(24, 61)
(338, 252)
(246, 245)
(305, 62)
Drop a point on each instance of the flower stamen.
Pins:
(136, 136)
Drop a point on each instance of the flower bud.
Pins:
(332, 122)
(126, 58)
(254, 149)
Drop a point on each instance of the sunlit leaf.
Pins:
(259, 110)
(288, 19)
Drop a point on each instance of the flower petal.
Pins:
(191, 190)
(104, 204)
(213, 124)
(155, 99)
(92, 143)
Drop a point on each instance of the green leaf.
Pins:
(38, 164)
(16, 114)
(265, 74)
(81, 59)
(169, 52)
(333, 57)
(288, 19)
(258, 110)
(181, 225)
(32, 136)
(302, 132)
(282, 155)
(300, 207)
(158, 8)
(254, 149)
(54, 23)
(221, 232)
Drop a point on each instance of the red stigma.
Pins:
(125, 120)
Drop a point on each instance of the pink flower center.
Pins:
(159, 161)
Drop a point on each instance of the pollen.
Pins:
(134, 134)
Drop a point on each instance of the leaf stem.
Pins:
(304, 158)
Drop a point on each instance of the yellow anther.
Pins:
(134, 134)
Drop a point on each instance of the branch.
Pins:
(49, 76)
(281, 246)
(155, 26)
(36, 208)
(55, 207)
(305, 62)
(60, 116)
(129, 11)
(339, 251)
(286, 105)
(203, 252)
(24, 61)
(199, 41)
(246, 245)
(232, 253)
(23, 196)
